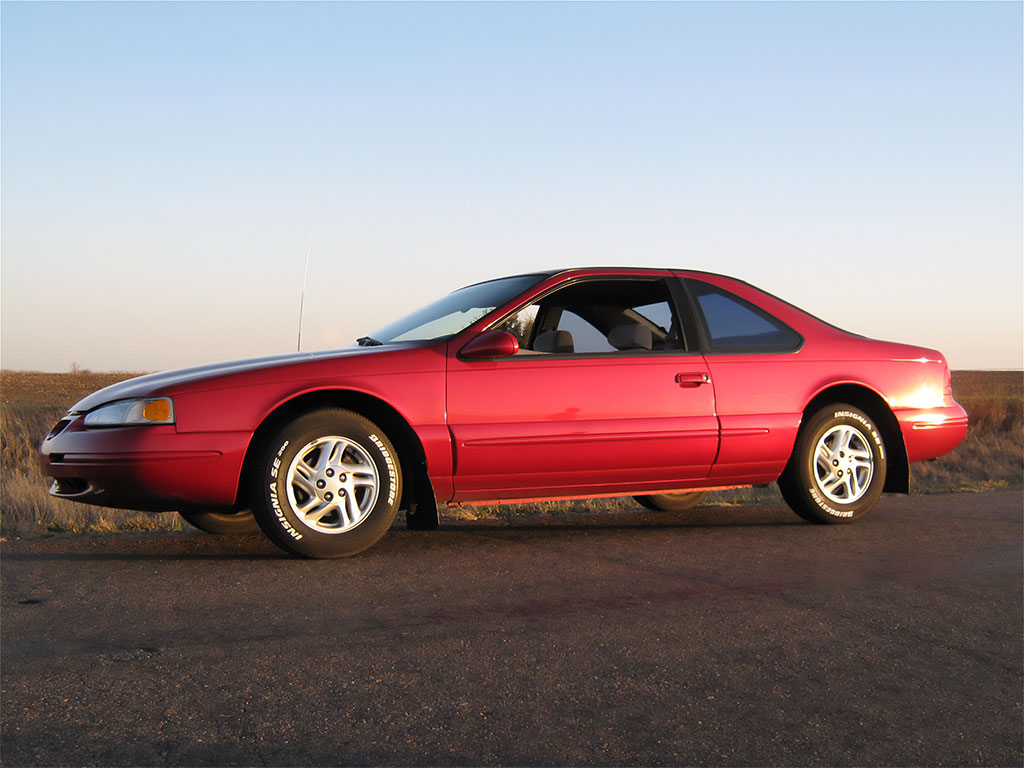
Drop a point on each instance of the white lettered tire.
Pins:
(329, 485)
(837, 470)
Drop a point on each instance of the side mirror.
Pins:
(490, 345)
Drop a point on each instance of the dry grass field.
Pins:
(992, 456)
(30, 403)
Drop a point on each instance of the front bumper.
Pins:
(149, 468)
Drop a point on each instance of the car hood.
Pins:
(154, 383)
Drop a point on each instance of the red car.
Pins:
(578, 383)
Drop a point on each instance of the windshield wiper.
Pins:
(367, 341)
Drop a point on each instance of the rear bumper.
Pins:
(933, 432)
(154, 469)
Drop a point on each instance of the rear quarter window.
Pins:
(732, 324)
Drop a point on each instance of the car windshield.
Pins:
(453, 313)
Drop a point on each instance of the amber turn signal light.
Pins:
(157, 410)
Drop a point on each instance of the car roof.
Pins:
(601, 270)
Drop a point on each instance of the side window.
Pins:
(521, 324)
(659, 313)
(586, 337)
(599, 317)
(735, 325)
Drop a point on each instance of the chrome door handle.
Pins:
(690, 380)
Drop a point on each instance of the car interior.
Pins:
(598, 316)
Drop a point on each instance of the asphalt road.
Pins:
(724, 636)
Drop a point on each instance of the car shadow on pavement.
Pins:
(454, 532)
(702, 517)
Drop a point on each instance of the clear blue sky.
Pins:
(162, 164)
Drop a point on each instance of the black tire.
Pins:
(672, 502)
(837, 470)
(342, 502)
(222, 522)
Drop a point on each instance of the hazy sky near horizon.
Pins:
(163, 163)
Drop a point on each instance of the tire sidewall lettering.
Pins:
(868, 426)
(275, 498)
(813, 491)
(275, 468)
(277, 513)
(390, 464)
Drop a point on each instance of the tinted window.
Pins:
(733, 324)
(586, 338)
(599, 316)
(659, 313)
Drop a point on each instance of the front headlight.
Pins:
(149, 410)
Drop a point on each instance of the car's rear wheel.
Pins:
(222, 522)
(672, 502)
(329, 485)
(837, 470)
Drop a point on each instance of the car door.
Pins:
(604, 396)
(755, 362)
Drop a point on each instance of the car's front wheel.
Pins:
(837, 470)
(222, 522)
(329, 485)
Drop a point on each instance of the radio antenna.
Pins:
(302, 294)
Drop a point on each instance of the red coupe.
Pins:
(578, 383)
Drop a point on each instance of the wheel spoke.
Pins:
(860, 454)
(336, 452)
(849, 435)
(852, 486)
(341, 508)
(323, 457)
(356, 469)
(305, 484)
(332, 484)
(311, 504)
(352, 508)
(824, 457)
(830, 483)
(862, 464)
(305, 471)
(320, 513)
